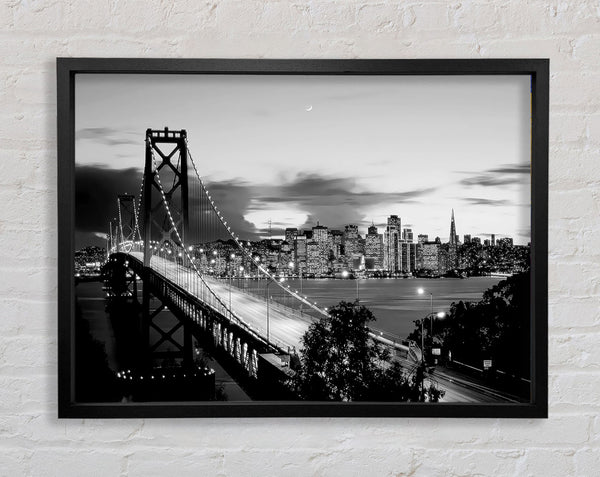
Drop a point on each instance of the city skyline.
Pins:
(297, 150)
(415, 231)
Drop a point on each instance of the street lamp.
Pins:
(431, 316)
(440, 315)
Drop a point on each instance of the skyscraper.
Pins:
(300, 253)
(430, 257)
(314, 258)
(452, 244)
(351, 248)
(290, 234)
(320, 234)
(321, 237)
(373, 249)
(408, 253)
(452, 239)
(336, 239)
(392, 238)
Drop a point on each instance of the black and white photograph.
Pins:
(302, 238)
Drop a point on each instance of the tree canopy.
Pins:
(496, 328)
(340, 362)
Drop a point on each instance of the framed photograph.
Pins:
(296, 238)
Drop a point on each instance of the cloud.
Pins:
(316, 190)
(481, 201)
(233, 199)
(109, 136)
(334, 201)
(504, 175)
(512, 169)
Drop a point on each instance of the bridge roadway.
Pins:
(287, 326)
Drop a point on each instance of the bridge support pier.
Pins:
(166, 327)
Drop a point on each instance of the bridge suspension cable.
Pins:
(184, 248)
(245, 252)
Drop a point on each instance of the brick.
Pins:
(587, 461)
(547, 462)
(574, 167)
(592, 132)
(476, 16)
(62, 461)
(380, 17)
(190, 462)
(574, 204)
(432, 16)
(44, 15)
(568, 128)
(575, 388)
(571, 312)
(15, 462)
(574, 431)
(575, 351)
(576, 279)
(585, 95)
(443, 462)
(584, 50)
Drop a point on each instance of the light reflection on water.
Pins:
(396, 303)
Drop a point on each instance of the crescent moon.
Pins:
(308, 109)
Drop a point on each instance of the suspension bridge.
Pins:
(173, 238)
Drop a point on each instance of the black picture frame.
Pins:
(538, 69)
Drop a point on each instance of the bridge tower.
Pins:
(175, 186)
(127, 226)
(167, 154)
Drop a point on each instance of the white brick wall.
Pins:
(34, 442)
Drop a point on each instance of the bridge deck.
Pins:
(286, 326)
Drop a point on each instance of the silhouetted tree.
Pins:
(497, 327)
(340, 362)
